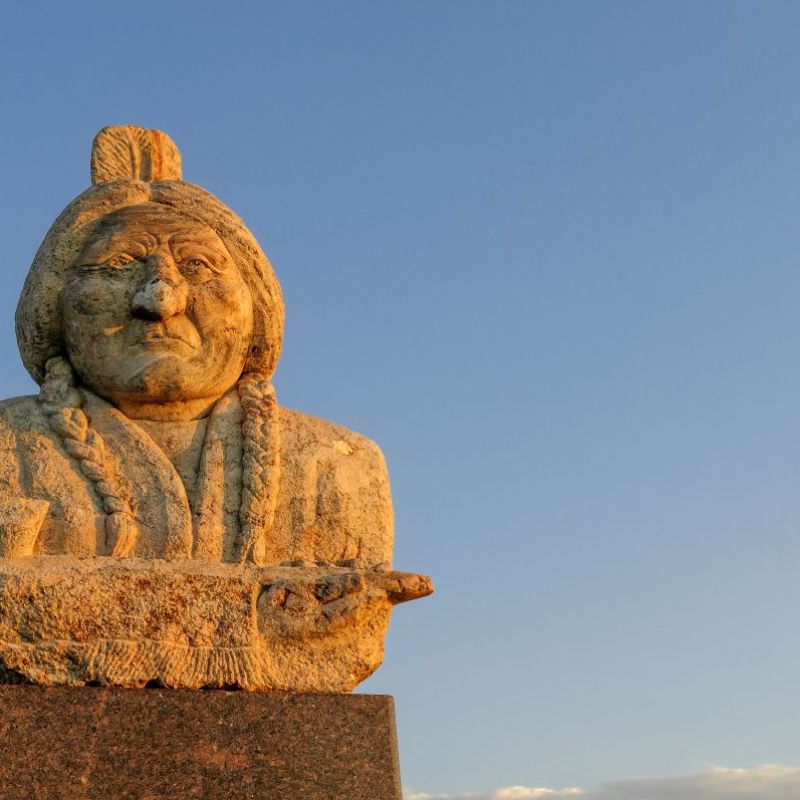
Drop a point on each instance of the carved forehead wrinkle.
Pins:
(106, 243)
(151, 224)
(152, 217)
(201, 234)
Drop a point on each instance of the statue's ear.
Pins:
(128, 151)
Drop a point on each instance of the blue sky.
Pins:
(546, 255)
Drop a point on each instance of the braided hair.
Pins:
(260, 465)
(62, 402)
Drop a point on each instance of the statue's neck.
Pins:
(182, 443)
(179, 411)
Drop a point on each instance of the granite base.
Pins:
(94, 743)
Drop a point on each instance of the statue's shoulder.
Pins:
(19, 405)
(337, 502)
(311, 437)
(19, 414)
(23, 431)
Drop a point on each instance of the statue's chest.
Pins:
(182, 443)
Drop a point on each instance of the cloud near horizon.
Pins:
(506, 793)
(766, 782)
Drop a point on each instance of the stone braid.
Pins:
(260, 466)
(62, 403)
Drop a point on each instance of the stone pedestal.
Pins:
(92, 743)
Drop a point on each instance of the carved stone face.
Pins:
(157, 318)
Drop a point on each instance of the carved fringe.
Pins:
(118, 662)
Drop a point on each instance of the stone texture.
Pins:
(132, 150)
(332, 501)
(103, 744)
(153, 322)
(195, 624)
(151, 490)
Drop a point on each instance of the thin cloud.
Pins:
(767, 782)
(506, 793)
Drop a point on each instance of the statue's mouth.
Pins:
(159, 340)
(168, 335)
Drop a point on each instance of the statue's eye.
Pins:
(120, 260)
(197, 268)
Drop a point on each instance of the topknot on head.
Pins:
(129, 151)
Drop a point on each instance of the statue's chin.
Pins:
(154, 378)
(160, 376)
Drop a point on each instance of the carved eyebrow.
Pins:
(193, 244)
(207, 238)
(217, 255)
(126, 239)
(104, 249)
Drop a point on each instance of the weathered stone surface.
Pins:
(160, 434)
(195, 624)
(332, 495)
(152, 488)
(131, 150)
(104, 744)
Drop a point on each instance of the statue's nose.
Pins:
(164, 294)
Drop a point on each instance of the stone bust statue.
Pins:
(152, 322)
